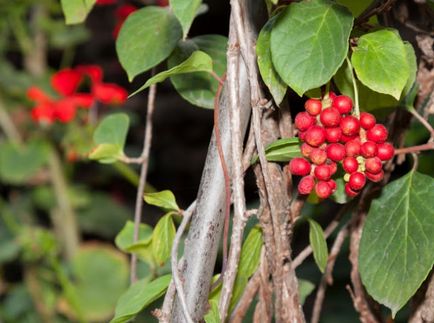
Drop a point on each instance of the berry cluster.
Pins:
(331, 135)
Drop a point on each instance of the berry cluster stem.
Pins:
(356, 91)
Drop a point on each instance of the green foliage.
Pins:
(162, 239)
(396, 245)
(213, 315)
(146, 39)
(185, 11)
(76, 11)
(282, 150)
(197, 62)
(164, 199)
(309, 41)
(380, 62)
(305, 288)
(318, 244)
(124, 240)
(199, 88)
(138, 296)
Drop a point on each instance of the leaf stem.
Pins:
(356, 91)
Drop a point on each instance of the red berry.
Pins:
(377, 133)
(306, 149)
(318, 156)
(333, 167)
(367, 120)
(323, 190)
(368, 149)
(315, 136)
(299, 166)
(375, 177)
(350, 125)
(385, 151)
(343, 103)
(357, 181)
(349, 191)
(333, 134)
(322, 172)
(313, 106)
(345, 138)
(350, 165)
(302, 135)
(306, 184)
(336, 152)
(330, 117)
(352, 148)
(332, 185)
(304, 121)
(332, 95)
(373, 165)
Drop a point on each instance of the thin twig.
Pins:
(386, 6)
(143, 173)
(422, 120)
(356, 92)
(415, 149)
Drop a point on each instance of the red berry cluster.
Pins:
(331, 135)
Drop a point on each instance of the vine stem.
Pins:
(356, 91)
(415, 149)
(143, 173)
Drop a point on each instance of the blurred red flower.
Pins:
(121, 15)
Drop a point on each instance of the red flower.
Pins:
(43, 113)
(66, 81)
(36, 94)
(121, 15)
(109, 93)
(105, 2)
(83, 100)
(94, 72)
(64, 110)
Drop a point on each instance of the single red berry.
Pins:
(313, 106)
(343, 103)
(375, 177)
(318, 156)
(333, 134)
(322, 172)
(299, 166)
(368, 149)
(367, 120)
(373, 165)
(352, 148)
(306, 149)
(350, 125)
(306, 184)
(332, 95)
(330, 117)
(345, 138)
(304, 121)
(357, 181)
(333, 167)
(315, 136)
(385, 151)
(336, 152)
(377, 133)
(302, 135)
(332, 185)
(349, 191)
(350, 165)
(323, 190)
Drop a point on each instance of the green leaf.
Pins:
(356, 7)
(199, 88)
(396, 248)
(412, 65)
(380, 62)
(309, 42)
(110, 136)
(164, 199)
(213, 315)
(76, 11)
(138, 296)
(339, 196)
(147, 38)
(197, 62)
(305, 288)
(19, 163)
(124, 240)
(269, 75)
(185, 11)
(282, 150)
(319, 245)
(162, 239)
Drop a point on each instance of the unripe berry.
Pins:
(343, 103)
(367, 120)
(350, 125)
(336, 152)
(323, 190)
(299, 166)
(385, 151)
(357, 181)
(368, 149)
(373, 165)
(306, 184)
(318, 156)
(315, 136)
(330, 117)
(375, 177)
(333, 134)
(322, 172)
(349, 191)
(350, 165)
(332, 185)
(306, 149)
(377, 133)
(352, 148)
(313, 106)
(304, 121)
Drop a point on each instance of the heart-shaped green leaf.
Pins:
(185, 11)
(76, 11)
(164, 199)
(124, 240)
